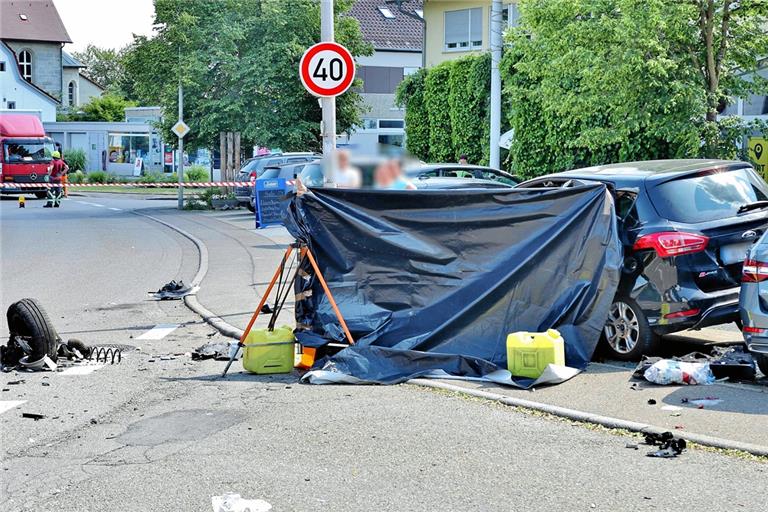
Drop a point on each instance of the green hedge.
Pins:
(447, 110)
(410, 94)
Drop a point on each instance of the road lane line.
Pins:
(7, 405)
(158, 332)
(116, 209)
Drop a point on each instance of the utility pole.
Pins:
(180, 167)
(497, 26)
(328, 104)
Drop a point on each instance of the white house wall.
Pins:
(14, 89)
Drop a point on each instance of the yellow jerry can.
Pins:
(269, 351)
(529, 353)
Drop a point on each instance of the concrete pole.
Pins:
(497, 26)
(328, 104)
(180, 167)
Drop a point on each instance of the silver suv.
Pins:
(753, 302)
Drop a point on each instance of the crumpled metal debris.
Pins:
(669, 447)
(218, 350)
(173, 291)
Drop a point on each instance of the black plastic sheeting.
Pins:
(433, 280)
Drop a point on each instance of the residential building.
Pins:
(16, 93)
(78, 89)
(35, 35)
(396, 38)
(455, 28)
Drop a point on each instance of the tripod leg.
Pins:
(330, 296)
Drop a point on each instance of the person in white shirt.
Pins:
(345, 175)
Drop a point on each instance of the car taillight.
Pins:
(754, 271)
(252, 176)
(672, 243)
(683, 314)
(753, 330)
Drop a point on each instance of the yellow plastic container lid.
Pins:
(528, 354)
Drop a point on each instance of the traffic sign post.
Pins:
(181, 130)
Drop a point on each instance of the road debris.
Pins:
(668, 371)
(218, 350)
(32, 415)
(669, 447)
(173, 291)
(231, 502)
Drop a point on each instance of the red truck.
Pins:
(25, 154)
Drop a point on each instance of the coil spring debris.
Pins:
(106, 355)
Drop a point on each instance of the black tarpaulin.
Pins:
(436, 280)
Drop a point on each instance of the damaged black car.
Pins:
(686, 227)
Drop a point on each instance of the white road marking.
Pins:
(158, 332)
(92, 204)
(81, 370)
(116, 209)
(7, 405)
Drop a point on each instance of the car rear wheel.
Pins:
(41, 195)
(627, 335)
(250, 206)
(762, 362)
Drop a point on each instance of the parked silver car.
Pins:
(753, 302)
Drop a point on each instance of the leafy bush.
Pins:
(76, 160)
(447, 110)
(114, 178)
(97, 177)
(410, 94)
(152, 177)
(438, 113)
(196, 173)
(76, 177)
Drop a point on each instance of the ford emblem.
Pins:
(749, 235)
(33, 176)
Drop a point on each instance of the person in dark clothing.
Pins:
(58, 169)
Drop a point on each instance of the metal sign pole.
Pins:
(180, 169)
(328, 104)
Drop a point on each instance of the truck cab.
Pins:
(25, 155)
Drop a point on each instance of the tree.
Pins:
(238, 62)
(104, 66)
(597, 81)
(107, 107)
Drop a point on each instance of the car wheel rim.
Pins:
(622, 330)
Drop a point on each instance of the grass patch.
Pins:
(130, 190)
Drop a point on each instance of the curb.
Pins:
(605, 421)
(191, 300)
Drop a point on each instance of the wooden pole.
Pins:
(230, 158)
(237, 154)
(222, 156)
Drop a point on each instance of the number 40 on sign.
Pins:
(327, 69)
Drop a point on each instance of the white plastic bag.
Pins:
(231, 502)
(668, 371)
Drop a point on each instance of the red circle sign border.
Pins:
(304, 69)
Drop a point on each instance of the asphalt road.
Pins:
(160, 432)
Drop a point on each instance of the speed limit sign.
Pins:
(327, 69)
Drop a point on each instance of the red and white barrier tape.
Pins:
(12, 184)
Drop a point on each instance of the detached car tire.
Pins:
(27, 319)
(250, 206)
(627, 335)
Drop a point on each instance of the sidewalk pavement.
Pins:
(242, 261)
